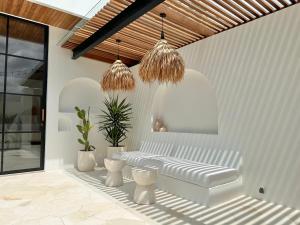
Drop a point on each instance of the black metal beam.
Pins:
(128, 15)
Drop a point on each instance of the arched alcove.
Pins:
(82, 92)
(189, 107)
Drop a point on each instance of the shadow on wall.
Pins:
(188, 107)
(82, 92)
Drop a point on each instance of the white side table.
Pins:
(145, 179)
(114, 172)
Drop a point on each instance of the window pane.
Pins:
(1, 117)
(2, 71)
(22, 113)
(26, 39)
(25, 76)
(3, 25)
(22, 151)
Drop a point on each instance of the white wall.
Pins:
(192, 111)
(255, 70)
(61, 147)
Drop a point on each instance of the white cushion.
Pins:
(226, 158)
(202, 174)
(147, 150)
(133, 158)
(156, 148)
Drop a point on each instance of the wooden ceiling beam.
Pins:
(246, 7)
(239, 8)
(254, 5)
(39, 13)
(203, 13)
(204, 6)
(187, 21)
(154, 33)
(219, 11)
(273, 4)
(135, 35)
(283, 3)
(175, 17)
(155, 24)
(233, 9)
(265, 5)
(131, 13)
(201, 20)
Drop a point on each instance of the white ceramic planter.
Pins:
(86, 161)
(111, 150)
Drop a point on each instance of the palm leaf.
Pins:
(115, 120)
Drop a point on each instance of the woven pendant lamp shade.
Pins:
(163, 63)
(118, 77)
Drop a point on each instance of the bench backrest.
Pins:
(156, 148)
(227, 158)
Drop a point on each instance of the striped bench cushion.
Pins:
(210, 156)
(134, 158)
(156, 148)
(202, 174)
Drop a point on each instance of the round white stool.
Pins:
(145, 185)
(114, 172)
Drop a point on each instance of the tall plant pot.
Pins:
(111, 150)
(86, 161)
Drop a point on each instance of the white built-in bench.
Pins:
(146, 151)
(207, 176)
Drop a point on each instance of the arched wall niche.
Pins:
(188, 107)
(82, 92)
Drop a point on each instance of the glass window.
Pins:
(1, 118)
(2, 71)
(24, 76)
(21, 151)
(23, 69)
(26, 39)
(22, 113)
(3, 26)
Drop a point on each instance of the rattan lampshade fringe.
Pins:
(118, 77)
(163, 63)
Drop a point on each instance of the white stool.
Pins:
(145, 185)
(114, 172)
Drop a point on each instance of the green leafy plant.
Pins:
(115, 120)
(84, 128)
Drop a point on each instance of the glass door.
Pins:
(23, 78)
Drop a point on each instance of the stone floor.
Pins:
(74, 198)
(56, 198)
(172, 210)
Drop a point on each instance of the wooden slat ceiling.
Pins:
(187, 21)
(38, 13)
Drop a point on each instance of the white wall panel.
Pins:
(61, 133)
(255, 70)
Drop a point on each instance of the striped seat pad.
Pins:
(156, 148)
(134, 158)
(202, 174)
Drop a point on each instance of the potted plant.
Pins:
(86, 158)
(115, 123)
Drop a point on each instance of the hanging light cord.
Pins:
(118, 51)
(162, 34)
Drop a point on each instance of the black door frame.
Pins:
(43, 97)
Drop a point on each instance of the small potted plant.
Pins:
(115, 123)
(86, 158)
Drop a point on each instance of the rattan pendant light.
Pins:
(118, 77)
(163, 63)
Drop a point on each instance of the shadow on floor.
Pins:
(173, 210)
